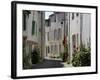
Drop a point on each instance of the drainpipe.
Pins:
(69, 54)
(64, 24)
(81, 25)
(42, 35)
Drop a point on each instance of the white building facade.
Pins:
(48, 35)
(54, 31)
(76, 28)
(73, 33)
(33, 31)
(86, 29)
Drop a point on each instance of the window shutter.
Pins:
(24, 21)
(33, 27)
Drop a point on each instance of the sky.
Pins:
(47, 14)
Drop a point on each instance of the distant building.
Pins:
(33, 32)
(76, 28)
(54, 31)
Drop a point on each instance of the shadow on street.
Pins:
(47, 63)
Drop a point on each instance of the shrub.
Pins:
(85, 58)
(82, 58)
(64, 55)
(68, 62)
(35, 56)
(76, 59)
(61, 55)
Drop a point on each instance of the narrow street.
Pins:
(54, 37)
(48, 63)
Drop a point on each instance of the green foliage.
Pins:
(85, 57)
(76, 59)
(35, 56)
(64, 55)
(68, 62)
(33, 27)
(82, 58)
(61, 55)
(26, 59)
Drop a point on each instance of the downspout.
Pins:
(69, 60)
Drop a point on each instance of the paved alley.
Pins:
(48, 63)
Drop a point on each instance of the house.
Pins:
(86, 29)
(73, 21)
(54, 31)
(33, 34)
(79, 30)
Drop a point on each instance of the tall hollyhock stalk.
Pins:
(65, 55)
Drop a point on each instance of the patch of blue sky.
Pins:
(47, 14)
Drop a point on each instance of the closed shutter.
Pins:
(33, 27)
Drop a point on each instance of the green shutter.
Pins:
(33, 27)
(24, 21)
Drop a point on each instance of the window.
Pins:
(55, 48)
(59, 33)
(55, 34)
(47, 22)
(33, 27)
(77, 14)
(61, 22)
(59, 48)
(25, 17)
(51, 48)
(36, 28)
(48, 36)
(72, 16)
(24, 21)
(48, 50)
(55, 18)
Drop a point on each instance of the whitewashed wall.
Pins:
(74, 29)
(86, 29)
